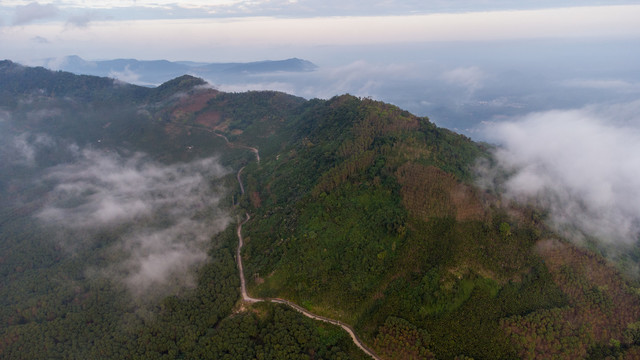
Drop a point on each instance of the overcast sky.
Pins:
(234, 30)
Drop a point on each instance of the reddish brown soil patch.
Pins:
(208, 119)
(255, 199)
(196, 104)
(197, 101)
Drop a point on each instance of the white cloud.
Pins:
(583, 165)
(160, 3)
(81, 20)
(127, 75)
(25, 152)
(23, 149)
(292, 8)
(471, 78)
(40, 40)
(163, 216)
(33, 11)
(164, 38)
(158, 261)
(602, 84)
(4, 115)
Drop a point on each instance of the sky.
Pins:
(233, 30)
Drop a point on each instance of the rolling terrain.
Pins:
(360, 213)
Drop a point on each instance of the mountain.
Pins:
(147, 72)
(119, 207)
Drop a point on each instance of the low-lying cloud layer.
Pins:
(582, 165)
(162, 216)
(24, 147)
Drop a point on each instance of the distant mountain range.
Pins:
(155, 72)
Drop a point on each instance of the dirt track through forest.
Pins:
(243, 286)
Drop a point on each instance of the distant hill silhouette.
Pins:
(156, 72)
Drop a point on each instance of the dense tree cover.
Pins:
(51, 309)
(601, 320)
(399, 339)
(29, 81)
(368, 216)
(360, 211)
(176, 87)
(276, 332)
(52, 305)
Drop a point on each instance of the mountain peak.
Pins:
(8, 65)
(182, 83)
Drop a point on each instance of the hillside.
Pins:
(371, 217)
(360, 212)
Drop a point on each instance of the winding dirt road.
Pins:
(232, 145)
(229, 143)
(247, 298)
(243, 286)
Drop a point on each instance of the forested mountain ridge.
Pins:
(151, 177)
(360, 212)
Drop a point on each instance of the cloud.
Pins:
(23, 149)
(582, 165)
(40, 40)
(4, 115)
(144, 35)
(471, 78)
(312, 8)
(626, 114)
(32, 12)
(127, 75)
(82, 20)
(162, 216)
(603, 84)
(159, 261)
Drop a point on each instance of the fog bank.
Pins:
(583, 165)
(160, 218)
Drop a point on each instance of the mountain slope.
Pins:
(68, 289)
(361, 220)
(360, 211)
(367, 215)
